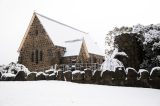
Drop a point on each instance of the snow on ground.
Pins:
(58, 93)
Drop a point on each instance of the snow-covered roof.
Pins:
(59, 33)
(73, 47)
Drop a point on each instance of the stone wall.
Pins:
(88, 76)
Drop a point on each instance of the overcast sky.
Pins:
(96, 17)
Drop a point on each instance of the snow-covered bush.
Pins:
(119, 73)
(131, 73)
(14, 68)
(31, 76)
(107, 76)
(77, 76)
(144, 74)
(114, 65)
(88, 75)
(97, 76)
(60, 75)
(21, 76)
(40, 76)
(148, 36)
(111, 64)
(51, 76)
(155, 73)
(8, 77)
(50, 71)
(68, 75)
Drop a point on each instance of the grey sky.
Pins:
(96, 17)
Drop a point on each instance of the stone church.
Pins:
(48, 42)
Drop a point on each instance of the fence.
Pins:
(79, 66)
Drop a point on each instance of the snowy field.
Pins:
(60, 93)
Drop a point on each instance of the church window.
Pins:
(32, 56)
(37, 56)
(41, 55)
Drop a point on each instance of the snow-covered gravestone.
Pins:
(155, 73)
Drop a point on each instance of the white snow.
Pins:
(73, 47)
(8, 75)
(128, 68)
(121, 53)
(142, 70)
(76, 71)
(92, 46)
(49, 70)
(58, 93)
(151, 35)
(39, 73)
(156, 45)
(59, 33)
(151, 32)
(82, 72)
(15, 66)
(52, 74)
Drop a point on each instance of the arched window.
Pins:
(37, 56)
(41, 55)
(32, 56)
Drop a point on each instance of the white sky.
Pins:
(96, 17)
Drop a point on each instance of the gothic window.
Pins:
(41, 55)
(37, 56)
(32, 56)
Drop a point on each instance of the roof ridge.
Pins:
(59, 22)
(75, 40)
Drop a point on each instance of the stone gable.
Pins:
(38, 51)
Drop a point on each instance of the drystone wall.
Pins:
(129, 77)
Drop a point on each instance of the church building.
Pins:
(48, 42)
